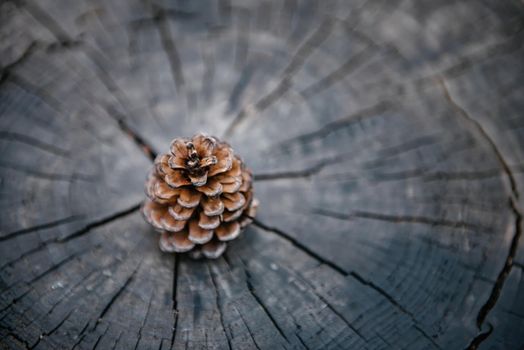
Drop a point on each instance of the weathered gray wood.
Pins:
(387, 142)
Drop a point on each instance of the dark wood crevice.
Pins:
(220, 307)
(174, 297)
(368, 112)
(253, 292)
(485, 136)
(337, 268)
(33, 142)
(100, 338)
(397, 219)
(160, 19)
(50, 332)
(338, 74)
(296, 61)
(117, 294)
(43, 226)
(514, 207)
(506, 269)
(482, 336)
(46, 175)
(250, 332)
(65, 41)
(293, 174)
(87, 228)
(103, 221)
(92, 325)
(333, 310)
(300, 245)
(141, 143)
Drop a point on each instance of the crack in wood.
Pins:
(252, 291)
(242, 37)
(468, 61)
(175, 64)
(144, 146)
(33, 142)
(48, 176)
(43, 226)
(64, 40)
(397, 219)
(346, 322)
(299, 245)
(6, 72)
(120, 97)
(81, 336)
(369, 112)
(99, 223)
(509, 45)
(28, 52)
(240, 86)
(117, 294)
(296, 62)
(118, 340)
(394, 302)
(20, 340)
(338, 74)
(36, 91)
(426, 336)
(301, 341)
(100, 338)
(247, 327)
(176, 263)
(422, 173)
(464, 115)
(219, 305)
(377, 176)
(413, 144)
(170, 13)
(506, 269)
(332, 308)
(48, 333)
(294, 174)
(382, 292)
(458, 144)
(513, 204)
(475, 342)
(459, 176)
(112, 87)
(14, 300)
(383, 46)
(54, 268)
(87, 228)
(106, 308)
(139, 337)
(45, 20)
(72, 288)
(117, 262)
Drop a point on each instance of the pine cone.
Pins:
(199, 197)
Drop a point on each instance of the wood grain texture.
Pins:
(386, 137)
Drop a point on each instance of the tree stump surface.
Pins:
(387, 142)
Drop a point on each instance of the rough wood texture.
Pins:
(388, 140)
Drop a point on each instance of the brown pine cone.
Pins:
(199, 197)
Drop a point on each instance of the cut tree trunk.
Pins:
(387, 141)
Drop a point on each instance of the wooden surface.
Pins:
(387, 138)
